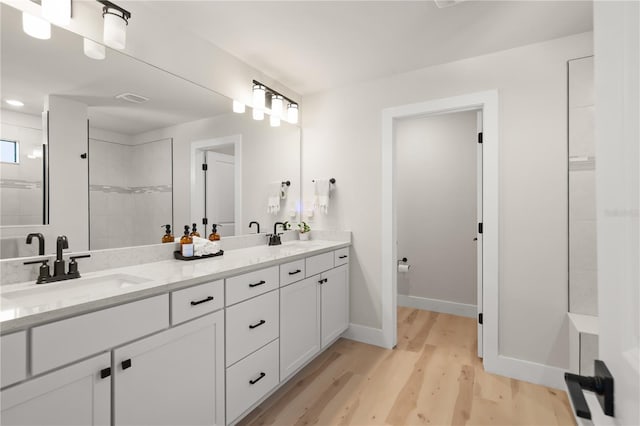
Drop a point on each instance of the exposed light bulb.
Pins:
(57, 11)
(258, 96)
(292, 113)
(276, 106)
(258, 114)
(238, 107)
(94, 50)
(115, 28)
(15, 102)
(274, 120)
(35, 26)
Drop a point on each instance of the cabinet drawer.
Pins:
(341, 256)
(319, 263)
(196, 301)
(251, 325)
(62, 342)
(252, 284)
(13, 358)
(251, 379)
(291, 272)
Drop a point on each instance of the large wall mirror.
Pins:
(130, 148)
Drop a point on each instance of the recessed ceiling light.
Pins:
(132, 97)
(14, 102)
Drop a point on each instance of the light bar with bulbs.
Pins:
(265, 97)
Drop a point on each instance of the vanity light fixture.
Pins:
(267, 99)
(57, 11)
(258, 114)
(14, 102)
(274, 120)
(94, 50)
(292, 113)
(35, 26)
(258, 96)
(116, 20)
(238, 107)
(276, 106)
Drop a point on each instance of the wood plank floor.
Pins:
(433, 377)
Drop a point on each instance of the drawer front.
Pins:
(13, 358)
(341, 256)
(291, 272)
(251, 379)
(65, 341)
(319, 263)
(252, 284)
(251, 325)
(196, 301)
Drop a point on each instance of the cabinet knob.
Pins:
(126, 364)
(105, 372)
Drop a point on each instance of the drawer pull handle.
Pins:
(257, 325)
(323, 281)
(297, 271)
(126, 364)
(105, 372)
(208, 299)
(254, 381)
(344, 256)
(258, 283)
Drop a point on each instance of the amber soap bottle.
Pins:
(168, 236)
(194, 231)
(186, 243)
(214, 236)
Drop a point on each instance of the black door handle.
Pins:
(105, 372)
(208, 299)
(297, 271)
(601, 384)
(257, 325)
(254, 381)
(344, 256)
(257, 284)
(126, 364)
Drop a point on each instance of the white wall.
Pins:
(342, 139)
(436, 206)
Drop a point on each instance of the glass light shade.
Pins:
(94, 50)
(36, 27)
(258, 114)
(274, 120)
(115, 29)
(276, 105)
(57, 11)
(258, 96)
(15, 102)
(238, 107)
(292, 113)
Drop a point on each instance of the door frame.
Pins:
(486, 101)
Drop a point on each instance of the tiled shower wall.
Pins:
(21, 184)
(583, 296)
(130, 193)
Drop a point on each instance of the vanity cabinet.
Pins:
(172, 378)
(74, 395)
(335, 303)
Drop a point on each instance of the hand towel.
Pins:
(202, 246)
(273, 197)
(321, 197)
(284, 190)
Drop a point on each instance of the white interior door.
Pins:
(221, 191)
(617, 85)
(479, 235)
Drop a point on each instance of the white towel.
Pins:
(202, 246)
(321, 197)
(284, 190)
(273, 197)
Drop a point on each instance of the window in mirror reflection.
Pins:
(9, 152)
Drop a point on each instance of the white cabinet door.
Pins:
(299, 324)
(75, 395)
(172, 378)
(335, 303)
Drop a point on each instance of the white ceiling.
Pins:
(311, 46)
(31, 69)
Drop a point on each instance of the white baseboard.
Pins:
(436, 305)
(532, 372)
(364, 334)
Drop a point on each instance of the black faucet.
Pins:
(40, 238)
(253, 222)
(274, 239)
(58, 266)
(59, 273)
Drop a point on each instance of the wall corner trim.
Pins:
(364, 334)
(437, 305)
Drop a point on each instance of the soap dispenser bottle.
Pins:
(168, 236)
(186, 243)
(214, 236)
(194, 231)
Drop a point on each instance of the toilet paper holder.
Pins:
(403, 260)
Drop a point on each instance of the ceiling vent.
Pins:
(447, 3)
(132, 97)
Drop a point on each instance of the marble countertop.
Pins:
(26, 305)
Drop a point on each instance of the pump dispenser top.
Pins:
(214, 236)
(168, 236)
(194, 231)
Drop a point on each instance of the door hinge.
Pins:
(480, 318)
(480, 228)
(480, 137)
(204, 167)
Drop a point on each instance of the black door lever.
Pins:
(601, 384)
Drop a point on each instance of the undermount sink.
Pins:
(78, 288)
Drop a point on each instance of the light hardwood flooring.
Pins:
(433, 377)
